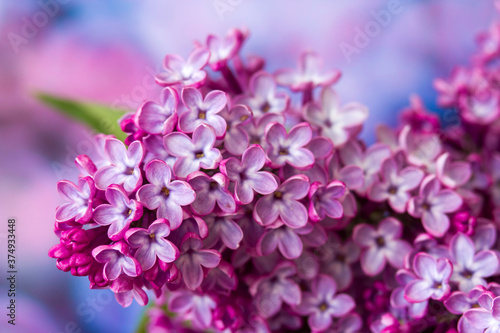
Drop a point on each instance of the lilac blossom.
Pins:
(270, 291)
(485, 318)
(459, 302)
(119, 214)
(198, 307)
(203, 111)
(339, 258)
(151, 243)
(284, 238)
(225, 229)
(308, 75)
(209, 191)
(322, 304)
(223, 49)
(284, 203)
(236, 139)
(116, 261)
(335, 122)
(79, 200)
(452, 174)
(432, 279)
(192, 258)
(195, 153)
(470, 268)
(246, 175)
(324, 200)
(256, 129)
(160, 118)
(188, 73)
(395, 184)
(164, 194)
(370, 161)
(124, 166)
(432, 204)
(398, 300)
(421, 149)
(381, 245)
(263, 97)
(289, 148)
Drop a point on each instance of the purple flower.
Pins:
(432, 204)
(195, 153)
(256, 129)
(160, 118)
(263, 97)
(209, 191)
(119, 213)
(193, 306)
(79, 200)
(151, 243)
(322, 304)
(116, 260)
(381, 245)
(188, 73)
(323, 201)
(246, 175)
(225, 229)
(459, 301)
(236, 138)
(370, 161)
(203, 111)
(270, 291)
(284, 238)
(432, 279)
(192, 258)
(398, 300)
(284, 203)
(339, 258)
(452, 174)
(124, 168)
(470, 268)
(421, 148)
(485, 318)
(289, 148)
(335, 122)
(395, 184)
(223, 49)
(308, 75)
(165, 195)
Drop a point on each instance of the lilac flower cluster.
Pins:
(244, 212)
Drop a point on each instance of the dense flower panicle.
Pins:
(242, 209)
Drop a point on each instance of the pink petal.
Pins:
(178, 144)
(462, 249)
(364, 235)
(447, 201)
(293, 214)
(418, 291)
(372, 261)
(198, 58)
(300, 135)
(289, 244)
(435, 223)
(266, 211)
(215, 101)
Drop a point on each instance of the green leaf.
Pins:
(101, 118)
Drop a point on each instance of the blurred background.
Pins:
(109, 51)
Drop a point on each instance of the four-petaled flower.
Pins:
(116, 261)
(322, 304)
(236, 139)
(381, 245)
(308, 75)
(195, 153)
(198, 307)
(165, 195)
(432, 281)
(263, 97)
(324, 200)
(246, 175)
(161, 118)
(203, 110)
(209, 191)
(395, 184)
(485, 318)
(432, 204)
(151, 243)
(223, 49)
(284, 203)
(188, 73)
(289, 148)
(470, 268)
(119, 213)
(124, 168)
(193, 257)
(79, 205)
(336, 122)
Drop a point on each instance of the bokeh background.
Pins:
(108, 52)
